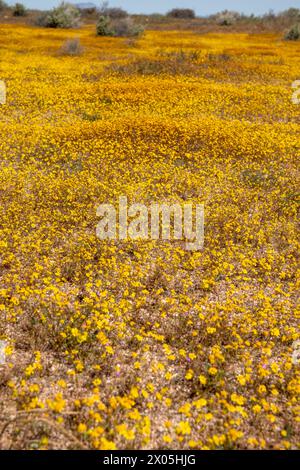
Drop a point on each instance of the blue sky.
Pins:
(202, 7)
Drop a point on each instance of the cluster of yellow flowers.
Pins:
(128, 344)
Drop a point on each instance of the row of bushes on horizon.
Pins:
(111, 22)
(117, 22)
(224, 16)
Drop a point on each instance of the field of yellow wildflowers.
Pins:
(144, 345)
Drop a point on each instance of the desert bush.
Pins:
(103, 27)
(71, 47)
(293, 34)
(187, 13)
(65, 15)
(2, 5)
(226, 18)
(126, 27)
(19, 10)
(123, 27)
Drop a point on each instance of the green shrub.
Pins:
(65, 15)
(123, 27)
(182, 13)
(103, 27)
(19, 10)
(293, 34)
(126, 27)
